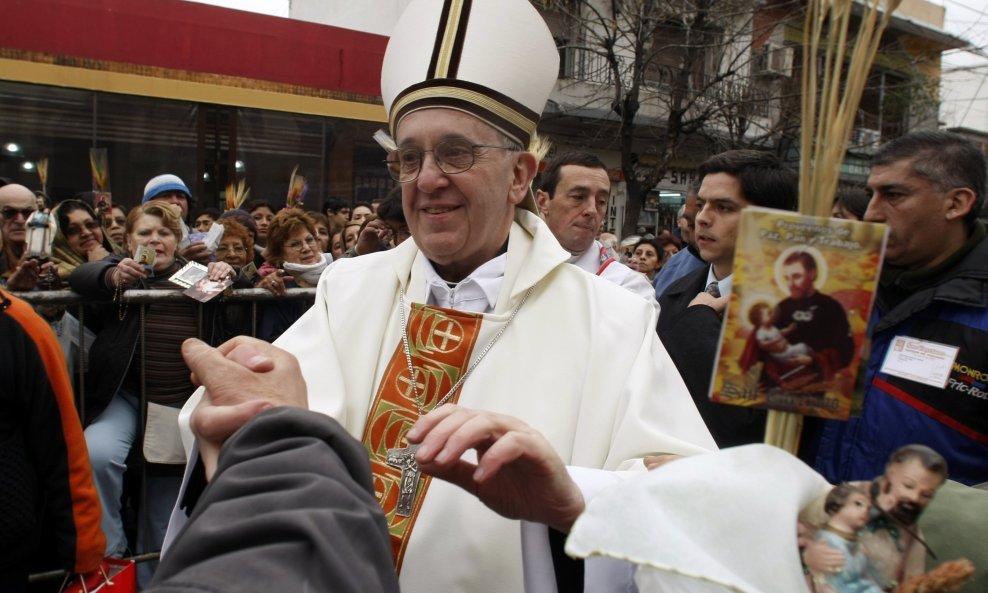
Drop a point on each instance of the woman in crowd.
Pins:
(123, 363)
(263, 213)
(113, 224)
(322, 230)
(79, 237)
(361, 211)
(350, 233)
(647, 257)
(293, 260)
(851, 203)
(236, 246)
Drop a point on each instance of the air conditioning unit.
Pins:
(865, 139)
(776, 60)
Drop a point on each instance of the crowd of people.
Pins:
(479, 352)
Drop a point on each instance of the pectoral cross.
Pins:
(403, 458)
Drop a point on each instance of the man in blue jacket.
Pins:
(927, 375)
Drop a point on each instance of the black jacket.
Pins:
(116, 342)
(692, 337)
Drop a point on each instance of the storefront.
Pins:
(209, 94)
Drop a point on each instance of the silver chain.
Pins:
(419, 401)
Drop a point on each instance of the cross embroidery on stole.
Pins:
(441, 342)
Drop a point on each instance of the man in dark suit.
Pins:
(693, 307)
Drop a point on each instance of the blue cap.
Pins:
(164, 183)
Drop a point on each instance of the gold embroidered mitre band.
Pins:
(494, 59)
(441, 343)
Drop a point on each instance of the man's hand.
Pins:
(26, 275)
(244, 376)
(197, 252)
(518, 474)
(718, 304)
(375, 236)
(820, 557)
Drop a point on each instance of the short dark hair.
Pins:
(802, 257)
(765, 180)
(213, 213)
(255, 204)
(390, 207)
(838, 495)
(854, 199)
(930, 459)
(550, 176)
(333, 205)
(945, 159)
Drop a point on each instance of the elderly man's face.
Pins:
(460, 221)
(907, 489)
(16, 205)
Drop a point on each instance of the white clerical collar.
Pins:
(477, 293)
(723, 285)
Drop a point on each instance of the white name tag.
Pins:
(919, 360)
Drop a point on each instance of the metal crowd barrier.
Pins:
(74, 300)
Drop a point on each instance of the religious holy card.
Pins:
(796, 322)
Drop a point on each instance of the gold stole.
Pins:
(441, 342)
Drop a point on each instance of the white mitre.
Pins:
(493, 59)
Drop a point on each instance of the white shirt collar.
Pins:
(477, 293)
(724, 286)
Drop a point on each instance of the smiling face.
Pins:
(577, 208)
(232, 251)
(150, 230)
(350, 234)
(907, 489)
(301, 247)
(719, 203)
(82, 233)
(461, 221)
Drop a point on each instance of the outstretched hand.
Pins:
(243, 376)
(517, 474)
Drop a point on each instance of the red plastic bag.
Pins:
(115, 575)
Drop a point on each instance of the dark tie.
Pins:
(713, 290)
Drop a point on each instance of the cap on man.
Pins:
(573, 201)
(693, 305)
(928, 187)
(171, 189)
(475, 310)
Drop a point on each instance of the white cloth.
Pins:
(724, 522)
(581, 363)
(616, 272)
(477, 293)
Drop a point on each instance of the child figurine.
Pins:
(772, 340)
(848, 507)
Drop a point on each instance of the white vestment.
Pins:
(581, 363)
(616, 272)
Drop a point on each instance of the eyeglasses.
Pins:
(310, 241)
(222, 249)
(11, 213)
(91, 225)
(452, 156)
(116, 220)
